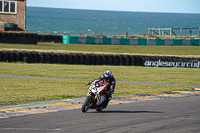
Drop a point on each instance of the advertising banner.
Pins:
(170, 62)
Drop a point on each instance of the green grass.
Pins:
(17, 91)
(113, 49)
(126, 73)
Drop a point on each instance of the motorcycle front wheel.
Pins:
(87, 103)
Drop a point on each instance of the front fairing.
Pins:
(96, 89)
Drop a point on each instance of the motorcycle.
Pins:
(96, 97)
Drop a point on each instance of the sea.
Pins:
(95, 22)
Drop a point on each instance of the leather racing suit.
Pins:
(110, 85)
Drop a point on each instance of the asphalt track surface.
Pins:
(175, 115)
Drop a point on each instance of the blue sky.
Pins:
(174, 6)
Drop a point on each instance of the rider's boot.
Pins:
(105, 104)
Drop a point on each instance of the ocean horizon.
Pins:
(108, 10)
(96, 22)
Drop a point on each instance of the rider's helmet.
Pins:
(107, 75)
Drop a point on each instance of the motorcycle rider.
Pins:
(110, 81)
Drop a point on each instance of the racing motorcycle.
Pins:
(96, 97)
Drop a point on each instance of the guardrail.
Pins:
(130, 41)
(33, 38)
(170, 31)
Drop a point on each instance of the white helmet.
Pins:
(107, 75)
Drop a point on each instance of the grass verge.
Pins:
(18, 90)
(191, 51)
(124, 73)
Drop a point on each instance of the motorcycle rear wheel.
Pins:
(87, 103)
